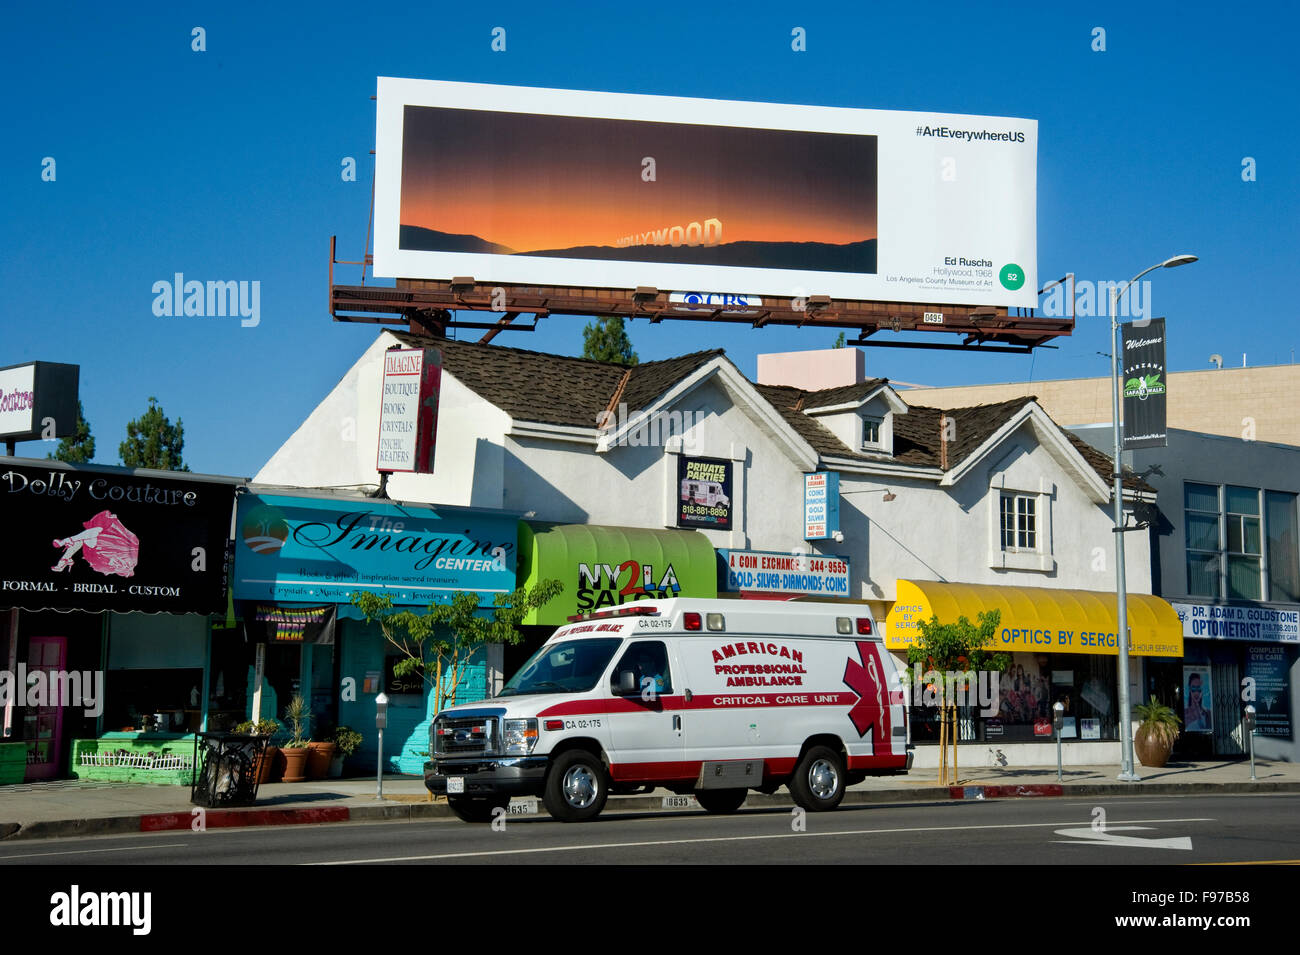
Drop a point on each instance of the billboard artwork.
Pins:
(603, 190)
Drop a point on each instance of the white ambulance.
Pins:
(710, 697)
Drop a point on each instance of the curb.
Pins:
(414, 811)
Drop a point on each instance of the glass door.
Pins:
(43, 725)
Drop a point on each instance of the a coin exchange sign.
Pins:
(1143, 365)
(821, 505)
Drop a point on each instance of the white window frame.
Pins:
(866, 444)
(1037, 558)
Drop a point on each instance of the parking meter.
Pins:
(1248, 725)
(381, 723)
(1058, 721)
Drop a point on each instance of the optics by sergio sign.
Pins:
(606, 190)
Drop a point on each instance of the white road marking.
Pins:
(1104, 837)
(674, 842)
(78, 852)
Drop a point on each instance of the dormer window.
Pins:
(871, 434)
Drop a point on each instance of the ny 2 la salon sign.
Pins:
(101, 539)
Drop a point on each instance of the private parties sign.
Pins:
(1142, 361)
(704, 489)
(408, 410)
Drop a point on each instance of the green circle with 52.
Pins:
(1012, 276)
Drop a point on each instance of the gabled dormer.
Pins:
(861, 416)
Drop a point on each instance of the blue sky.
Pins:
(225, 165)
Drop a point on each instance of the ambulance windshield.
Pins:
(569, 666)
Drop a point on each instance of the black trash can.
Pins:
(226, 769)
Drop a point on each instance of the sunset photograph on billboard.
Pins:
(581, 188)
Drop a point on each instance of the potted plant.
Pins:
(320, 754)
(262, 769)
(1155, 736)
(298, 717)
(348, 741)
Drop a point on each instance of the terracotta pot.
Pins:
(277, 764)
(295, 764)
(1152, 747)
(265, 764)
(319, 756)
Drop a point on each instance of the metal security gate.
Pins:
(1226, 680)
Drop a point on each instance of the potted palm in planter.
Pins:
(297, 717)
(1154, 739)
(348, 741)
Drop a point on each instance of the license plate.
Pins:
(455, 784)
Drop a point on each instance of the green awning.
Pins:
(608, 566)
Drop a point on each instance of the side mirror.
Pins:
(627, 685)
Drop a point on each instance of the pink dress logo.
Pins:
(105, 544)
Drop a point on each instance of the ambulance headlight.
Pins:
(520, 737)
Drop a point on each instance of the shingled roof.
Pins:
(563, 390)
(554, 389)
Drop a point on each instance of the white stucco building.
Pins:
(995, 496)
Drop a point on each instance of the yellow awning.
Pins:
(1038, 619)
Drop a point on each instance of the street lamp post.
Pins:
(1126, 773)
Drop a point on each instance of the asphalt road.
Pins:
(1110, 831)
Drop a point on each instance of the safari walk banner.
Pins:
(1142, 363)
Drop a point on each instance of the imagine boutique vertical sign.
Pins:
(408, 410)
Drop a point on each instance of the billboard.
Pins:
(607, 190)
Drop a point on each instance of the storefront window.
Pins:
(1084, 684)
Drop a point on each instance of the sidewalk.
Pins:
(72, 807)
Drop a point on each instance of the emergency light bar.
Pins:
(629, 611)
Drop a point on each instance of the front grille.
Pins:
(464, 736)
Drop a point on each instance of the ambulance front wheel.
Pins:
(576, 787)
(819, 779)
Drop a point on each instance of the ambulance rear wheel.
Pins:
(819, 779)
(576, 787)
(721, 802)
